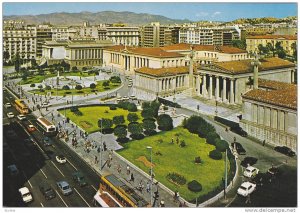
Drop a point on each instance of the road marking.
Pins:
(94, 187)
(57, 168)
(27, 179)
(72, 165)
(44, 173)
(82, 197)
(42, 205)
(61, 198)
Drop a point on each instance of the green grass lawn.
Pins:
(93, 114)
(40, 78)
(178, 159)
(87, 90)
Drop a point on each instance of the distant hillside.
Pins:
(262, 20)
(63, 18)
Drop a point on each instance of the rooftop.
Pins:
(162, 72)
(283, 37)
(156, 52)
(244, 66)
(281, 94)
(211, 48)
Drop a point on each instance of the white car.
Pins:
(61, 159)
(44, 105)
(21, 117)
(26, 194)
(10, 115)
(251, 171)
(125, 98)
(246, 188)
(7, 105)
(132, 97)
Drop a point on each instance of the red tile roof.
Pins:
(281, 94)
(161, 72)
(244, 66)
(156, 52)
(211, 48)
(286, 37)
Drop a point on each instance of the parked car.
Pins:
(7, 105)
(251, 171)
(125, 98)
(10, 115)
(132, 97)
(130, 85)
(47, 191)
(239, 148)
(285, 150)
(47, 141)
(25, 194)
(246, 188)
(61, 159)
(248, 161)
(64, 187)
(21, 117)
(239, 131)
(45, 104)
(79, 178)
(31, 128)
(13, 170)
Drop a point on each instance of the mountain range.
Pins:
(108, 17)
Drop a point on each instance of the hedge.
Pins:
(221, 145)
(212, 137)
(194, 186)
(215, 154)
(168, 103)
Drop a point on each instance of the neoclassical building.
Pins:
(270, 113)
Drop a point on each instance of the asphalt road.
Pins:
(37, 164)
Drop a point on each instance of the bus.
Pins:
(49, 129)
(21, 106)
(114, 192)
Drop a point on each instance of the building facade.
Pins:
(286, 42)
(270, 113)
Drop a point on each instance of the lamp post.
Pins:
(151, 174)
(101, 145)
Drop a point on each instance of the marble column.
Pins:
(217, 88)
(204, 91)
(231, 91)
(210, 86)
(224, 90)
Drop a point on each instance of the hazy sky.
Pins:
(177, 10)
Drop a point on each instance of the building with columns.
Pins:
(80, 53)
(131, 58)
(153, 82)
(270, 113)
(227, 81)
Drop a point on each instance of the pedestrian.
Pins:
(176, 196)
(98, 150)
(140, 187)
(264, 142)
(110, 157)
(128, 170)
(132, 178)
(96, 159)
(172, 141)
(119, 169)
(162, 203)
(248, 199)
(177, 140)
(148, 187)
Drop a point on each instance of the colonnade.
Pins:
(86, 54)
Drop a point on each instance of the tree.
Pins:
(212, 138)
(270, 48)
(6, 56)
(132, 117)
(17, 62)
(149, 126)
(120, 132)
(135, 128)
(106, 123)
(147, 113)
(74, 69)
(131, 107)
(78, 87)
(105, 84)
(48, 87)
(115, 79)
(92, 86)
(84, 68)
(165, 122)
(294, 48)
(118, 120)
(221, 145)
(66, 87)
(241, 44)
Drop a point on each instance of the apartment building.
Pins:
(156, 35)
(20, 40)
(43, 33)
(63, 33)
(286, 42)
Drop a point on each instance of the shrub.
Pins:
(176, 178)
(105, 84)
(48, 87)
(42, 90)
(40, 86)
(118, 120)
(132, 117)
(149, 126)
(182, 143)
(106, 123)
(112, 107)
(78, 87)
(196, 124)
(212, 137)
(74, 109)
(131, 107)
(32, 85)
(221, 145)
(66, 87)
(194, 186)
(68, 92)
(198, 160)
(115, 79)
(80, 92)
(215, 154)
(120, 132)
(165, 122)
(135, 128)
(92, 86)
(165, 108)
